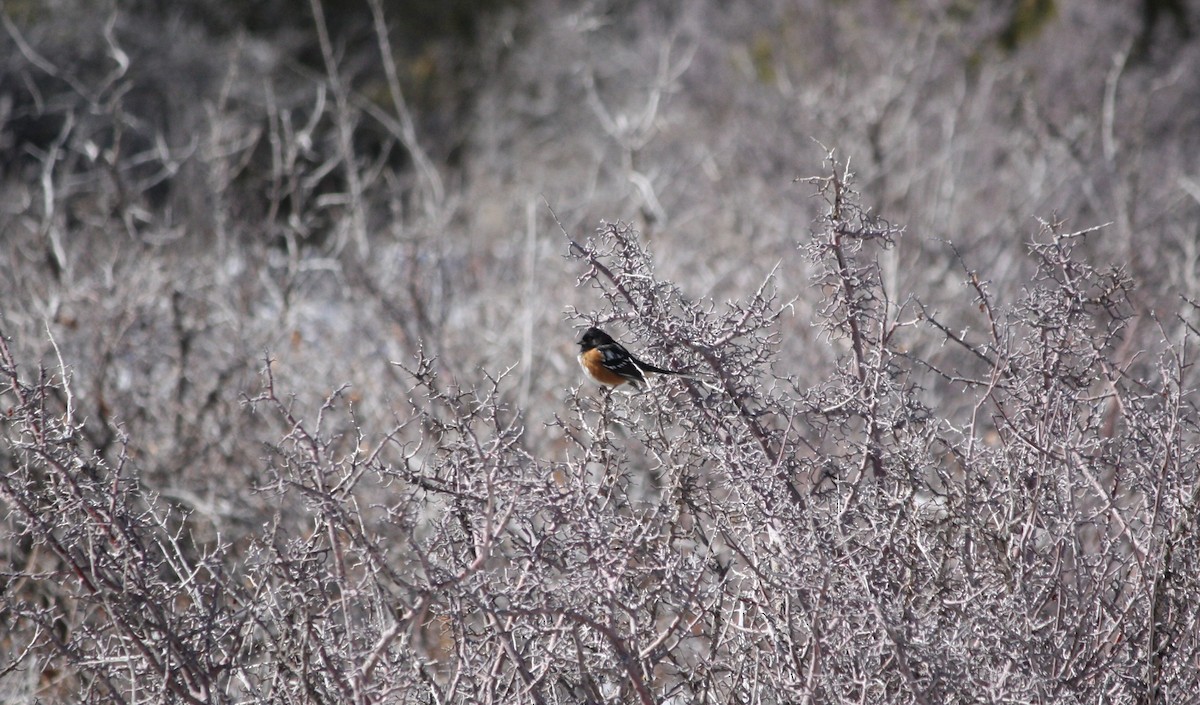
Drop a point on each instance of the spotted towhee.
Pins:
(608, 362)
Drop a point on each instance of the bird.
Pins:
(608, 363)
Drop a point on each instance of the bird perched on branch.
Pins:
(608, 363)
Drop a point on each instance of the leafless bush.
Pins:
(288, 411)
(726, 537)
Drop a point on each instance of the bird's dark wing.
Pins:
(621, 361)
(647, 367)
(617, 359)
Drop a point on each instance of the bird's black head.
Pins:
(593, 338)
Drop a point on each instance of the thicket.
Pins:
(288, 405)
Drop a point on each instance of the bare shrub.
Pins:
(288, 410)
(726, 537)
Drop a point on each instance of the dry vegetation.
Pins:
(288, 405)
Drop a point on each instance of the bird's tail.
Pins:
(647, 367)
